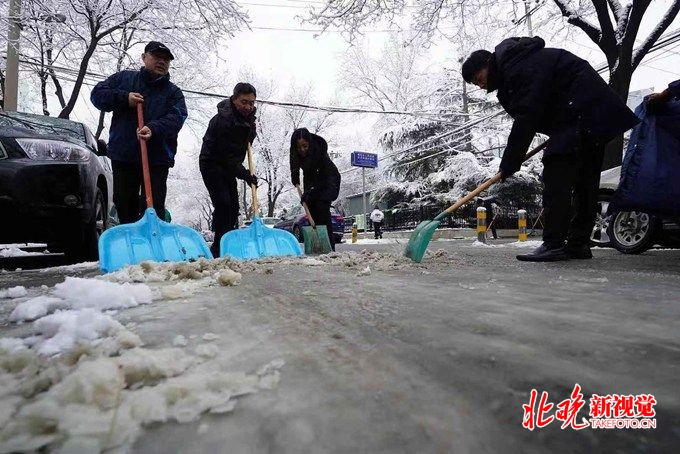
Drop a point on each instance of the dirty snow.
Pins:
(13, 292)
(381, 241)
(101, 295)
(365, 272)
(84, 266)
(60, 331)
(525, 244)
(16, 252)
(79, 293)
(180, 341)
(93, 402)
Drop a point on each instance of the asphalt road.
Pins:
(436, 357)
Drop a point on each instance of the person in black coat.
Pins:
(225, 145)
(554, 92)
(309, 153)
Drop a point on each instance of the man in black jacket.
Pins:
(553, 92)
(221, 160)
(164, 115)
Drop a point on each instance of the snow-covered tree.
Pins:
(614, 25)
(83, 31)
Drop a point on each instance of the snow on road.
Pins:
(81, 381)
(90, 363)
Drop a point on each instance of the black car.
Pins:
(56, 185)
(295, 219)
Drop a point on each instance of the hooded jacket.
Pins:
(164, 113)
(226, 140)
(321, 177)
(554, 92)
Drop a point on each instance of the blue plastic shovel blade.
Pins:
(257, 241)
(149, 239)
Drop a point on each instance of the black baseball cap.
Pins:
(155, 46)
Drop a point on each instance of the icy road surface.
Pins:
(375, 354)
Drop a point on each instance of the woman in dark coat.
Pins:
(221, 160)
(309, 153)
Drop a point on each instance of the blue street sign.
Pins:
(361, 159)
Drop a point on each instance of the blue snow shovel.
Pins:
(257, 240)
(149, 238)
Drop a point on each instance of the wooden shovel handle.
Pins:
(253, 188)
(491, 181)
(304, 205)
(145, 158)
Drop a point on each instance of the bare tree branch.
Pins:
(667, 20)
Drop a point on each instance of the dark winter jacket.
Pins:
(552, 91)
(164, 113)
(226, 140)
(674, 89)
(321, 177)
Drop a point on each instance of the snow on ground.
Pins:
(13, 251)
(13, 292)
(85, 266)
(381, 241)
(517, 244)
(83, 382)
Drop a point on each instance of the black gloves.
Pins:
(305, 198)
(251, 179)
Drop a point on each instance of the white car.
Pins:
(267, 221)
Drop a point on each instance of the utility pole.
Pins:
(363, 189)
(11, 93)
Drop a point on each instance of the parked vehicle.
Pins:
(295, 219)
(56, 185)
(267, 221)
(630, 232)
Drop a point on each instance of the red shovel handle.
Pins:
(145, 158)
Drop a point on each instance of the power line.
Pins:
(292, 105)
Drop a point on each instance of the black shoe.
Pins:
(544, 254)
(581, 251)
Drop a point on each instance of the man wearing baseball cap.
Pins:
(164, 115)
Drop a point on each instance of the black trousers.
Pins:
(377, 229)
(223, 190)
(321, 213)
(128, 184)
(571, 184)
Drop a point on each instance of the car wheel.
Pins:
(297, 231)
(633, 232)
(86, 245)
(600, 234)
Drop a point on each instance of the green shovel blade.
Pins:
(316, 240)
(420, 239)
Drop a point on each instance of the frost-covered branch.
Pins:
(575, 18)
(615, 6)
(667, 20)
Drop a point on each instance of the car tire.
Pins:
(600, 236)
(85, 247)
(633, 232)
(297, 231)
